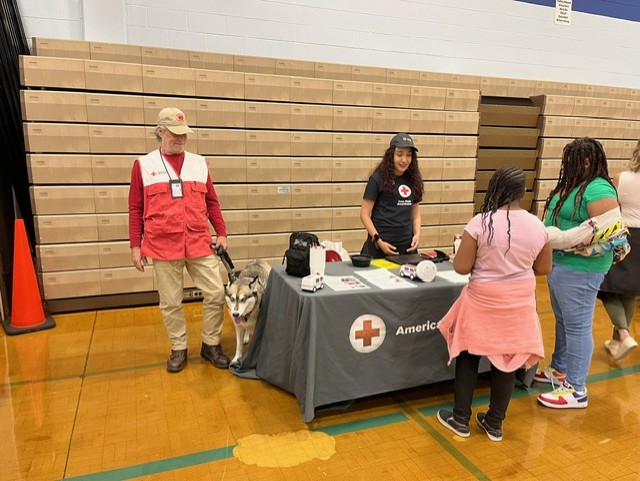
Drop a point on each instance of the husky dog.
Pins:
(243, 296)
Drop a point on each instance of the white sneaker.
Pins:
(612, 346)
(564, 397)
(625, 348)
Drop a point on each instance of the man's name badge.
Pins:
(176, 189)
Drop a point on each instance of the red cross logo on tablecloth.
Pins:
(367, 333)
(405, 191)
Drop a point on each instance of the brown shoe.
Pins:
(177, 360)
(215, 355)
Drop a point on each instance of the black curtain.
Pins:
(13, 166)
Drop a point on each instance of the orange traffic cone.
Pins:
(27, 313)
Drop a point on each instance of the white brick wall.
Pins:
(482, 37)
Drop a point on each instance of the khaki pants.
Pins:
(206, 276)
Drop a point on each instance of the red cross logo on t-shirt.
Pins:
(404, 191)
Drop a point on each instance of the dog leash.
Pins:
(226, 261)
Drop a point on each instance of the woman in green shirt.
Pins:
(584, 190)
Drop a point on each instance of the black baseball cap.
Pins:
(402, 140)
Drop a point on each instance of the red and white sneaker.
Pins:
(550, 376)
(564, 397)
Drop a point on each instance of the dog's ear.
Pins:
(256, 278)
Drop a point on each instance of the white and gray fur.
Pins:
(243, 297)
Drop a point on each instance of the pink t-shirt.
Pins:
(494, 262)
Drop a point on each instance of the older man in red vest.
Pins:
(171, 201)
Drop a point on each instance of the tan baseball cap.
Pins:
(174, 120)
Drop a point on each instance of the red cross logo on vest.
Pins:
(367, 333)
(404, 191)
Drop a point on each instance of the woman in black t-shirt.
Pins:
(390, 209)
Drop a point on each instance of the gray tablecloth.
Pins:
(302, 340)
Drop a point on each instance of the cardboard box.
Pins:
(53, 229)
(120, 280)
(113, 76)
(402, 76)
(157, 79)
(111, 198)
(42, 105)
(556, 126)
(221, 141)
(508, 137)
(220, 113)
(69, 284)
(113, 227)
(47, 137)
(460, 191)
(430, 98)
(361, 73)
(612, 108)
(351, 144)
(227, 169)
(311, 143)
(427, 121)
(237, 221)
(542, 188)
(631, 130)
(233, 196)
(57, 47)
(352, 168)
(586, 107)
(462, 122)
(273, 142)
(352, 119)
(509, 115)
(115, 52)
(170, 57)
(458, 168)
(429, 145)
(484, 176)
(352, 93)
(114, 109)
(456, 213)
(391, 120)
(210, 83)
(332, 71)
(352, 240)
(311, 90)
(429, 236)
(311, 195)
(311, 117)
(111, 169)
(267, 245)
(430, 214)
(548, 168)
(551, 148)
(435, 79)
(521, 88)
(269, 220)
(460, 146)
(447, 233)
(554, 104)
(347, 194)
(247, 63)
(67, 257)
(114, 254)
(267, 87)
(51, 72)
(59, 169)
(492, 159)
(272, 196)
(432, 192)
(62, 199)
(310, 220)
(462, 99)
(345, 218)
(297, 68)
(211, 61)
(114, 139)
(268, 169)
(311, 169)
(153, 105)
(267, 115)
(388, 95)
(464, 81)
(584, 127)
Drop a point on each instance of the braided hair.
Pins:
(386, 170)
(574, 173)
(506, 185)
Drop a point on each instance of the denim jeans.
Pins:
(573, 299)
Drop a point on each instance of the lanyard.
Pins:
(176, 184)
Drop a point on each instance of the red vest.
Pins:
(175, 228)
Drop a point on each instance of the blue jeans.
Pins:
(573, 299)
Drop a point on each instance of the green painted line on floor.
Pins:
(156, 467)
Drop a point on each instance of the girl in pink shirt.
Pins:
(504, 248)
